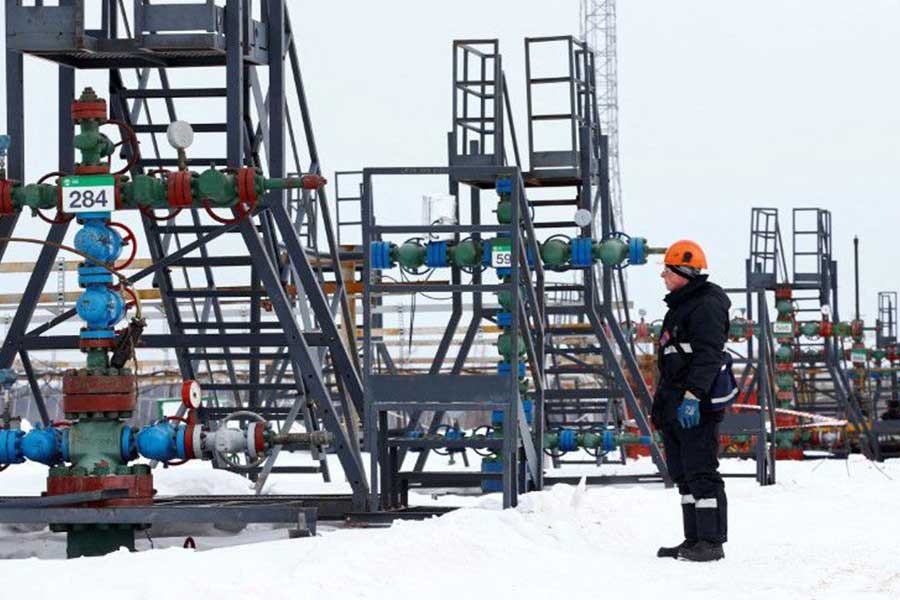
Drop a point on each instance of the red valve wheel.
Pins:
(128, 238)
(243, 213)
(149, 212)
(132, 139)
(130, 292)
(60, 217)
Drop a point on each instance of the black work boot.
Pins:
(689, 521)
(702, 551)
(712, 530)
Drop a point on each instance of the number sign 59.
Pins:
(88, 193)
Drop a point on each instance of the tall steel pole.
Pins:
(598, 29)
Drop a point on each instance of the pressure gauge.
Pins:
(180, 134)
(583, 217)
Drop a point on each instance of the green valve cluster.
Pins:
(740, 329)
(784, 331)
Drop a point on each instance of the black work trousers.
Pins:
(692, 457)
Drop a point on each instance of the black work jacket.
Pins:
(691, 346)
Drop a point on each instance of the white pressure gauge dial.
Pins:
(180, 134)
(583, 217)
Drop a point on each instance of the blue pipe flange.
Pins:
(609, 441)
(436, 254)
(486, 253)
(99, 241)
(528, 409)
(581, 252)
(93, 275)
(45, 446)
(529, 255)
(568, 440)
(504, 319)
(381, 255)
(504, 368)
(504, 186)
(637, 251)
(11, 446)
(127, 445)
(180, 446)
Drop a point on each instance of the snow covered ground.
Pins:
(828, 529)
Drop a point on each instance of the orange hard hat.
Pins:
(686, 253)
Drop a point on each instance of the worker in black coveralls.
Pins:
(695, 385)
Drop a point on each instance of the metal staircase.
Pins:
(242, 294)
(594, 380)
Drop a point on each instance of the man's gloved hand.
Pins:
(689, 411)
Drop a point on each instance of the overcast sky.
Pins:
(724, 106)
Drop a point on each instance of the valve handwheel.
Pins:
(486, 431)
(255, 431)
(131, 138)
(127, 239)
(60, 217)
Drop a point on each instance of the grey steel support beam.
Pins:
(344, 366)
(35, 388)
(15, 127)
(57, 232)
(304, 365)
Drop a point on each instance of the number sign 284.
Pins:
(88, 193)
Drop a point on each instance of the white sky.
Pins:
(724, 105)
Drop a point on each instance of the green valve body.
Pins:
(35, 195)
(842, 329)
(784, 353)
(610, 252)
(410, 255)
(504, 346)
(810, 328)
(739, 329)
(504, 210)
(785, 381)
(465, 254)
(784, 307)
(555, 252)
(150, 190)
(95, 445)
